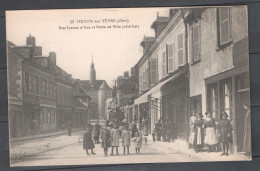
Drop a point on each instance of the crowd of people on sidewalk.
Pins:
(210, 134)
(110, 136)
(162, 131)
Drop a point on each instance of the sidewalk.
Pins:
(42, 135)
(181, 147)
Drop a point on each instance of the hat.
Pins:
(224, 113)
(199, 114)
(208, 113)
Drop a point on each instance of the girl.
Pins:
(105, 138)
(126, 135)
(114, 139)
(138, 142)
(224, 127)
(210, 128)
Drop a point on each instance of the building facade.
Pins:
(41, 95)
(219, 65)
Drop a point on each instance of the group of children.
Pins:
(110, 138)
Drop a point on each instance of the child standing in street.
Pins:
(126, 135)
(138, 142)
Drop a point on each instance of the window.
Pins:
(154, 69)
(141, 82)
(164, 63)
(145, 79)
(171, 57)
(196, 43)
(226, 97)
(224, 26)
(26, 80)
(44, 87)
(213, 100)
(180, 49)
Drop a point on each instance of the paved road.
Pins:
(74, 154)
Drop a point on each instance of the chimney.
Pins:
(31, 40)
(52, 58)
(126, 74)
(147, 43)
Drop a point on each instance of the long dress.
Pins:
(114, 137)
(247, 133)
(192, 133)
(138, 141)
(199, 134)
(105, 139)
(87, 141)
(210, 137)
(126, 135)
(225, 129)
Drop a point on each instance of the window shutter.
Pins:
(180, 49)
(196, 43)
(224, 25)
(170, 57)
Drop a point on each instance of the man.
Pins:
(247, 131)
(96, 132)
(158, 128)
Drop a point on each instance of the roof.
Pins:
(149, 39)
(104, 85)
(128, 87)
(87, 86)
(161, 20)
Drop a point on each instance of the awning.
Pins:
(157, 88)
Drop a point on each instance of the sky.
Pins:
(114, 49)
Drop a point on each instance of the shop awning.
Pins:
(144, 98)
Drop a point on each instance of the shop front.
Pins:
(228, 92)
(175, 106)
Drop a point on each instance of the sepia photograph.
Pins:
(128, 85)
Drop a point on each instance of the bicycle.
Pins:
(80, 139)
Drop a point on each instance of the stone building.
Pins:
(15, 93)
(163, 83)
(219, 64)
(38, 88)
(96, 90)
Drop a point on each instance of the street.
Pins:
(73, 153)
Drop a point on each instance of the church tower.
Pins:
(92, 74)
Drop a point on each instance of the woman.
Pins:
(247, 131)
(126, 135)
(199, 133)
(105, 139)
(134, 130)
(193, 119)
(224, 128)
(87, 141)
(114, 139)
(210, 129)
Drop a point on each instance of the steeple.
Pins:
(92, 74)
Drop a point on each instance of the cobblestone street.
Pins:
(64, 150)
